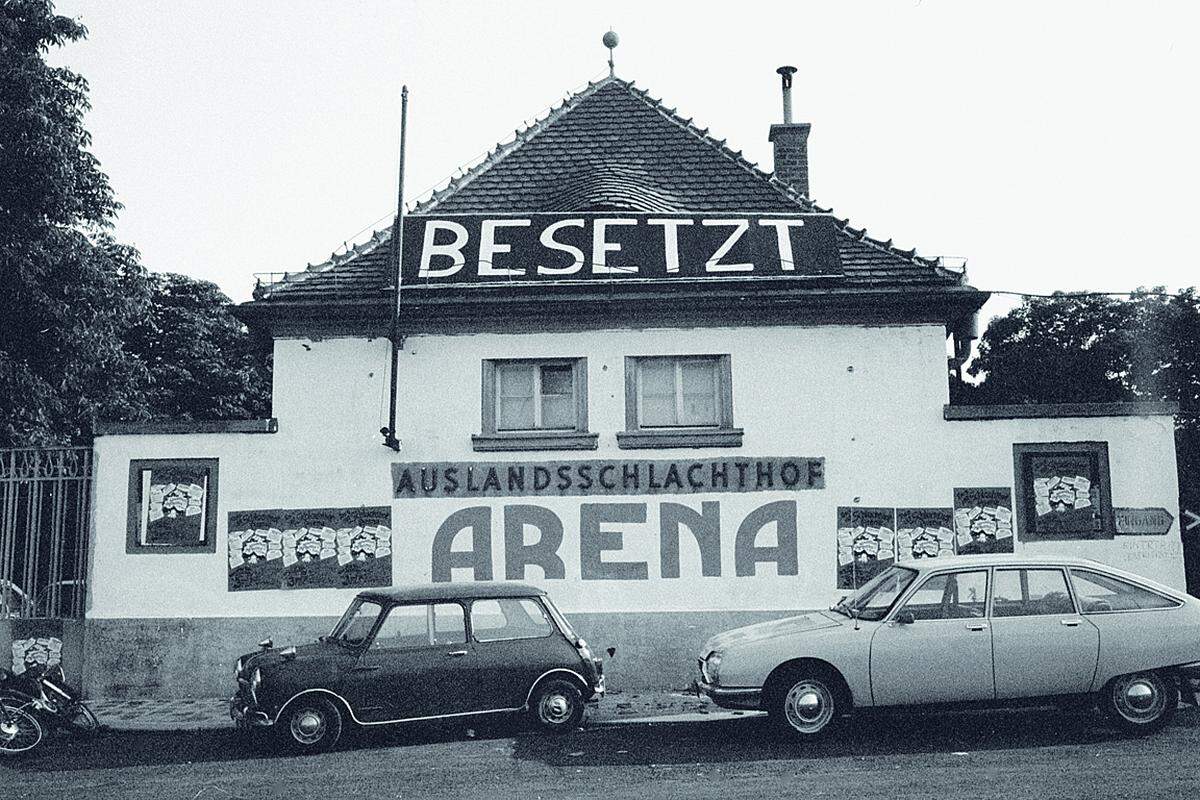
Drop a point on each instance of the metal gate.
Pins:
(45, 499)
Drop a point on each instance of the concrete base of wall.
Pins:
(133, 658)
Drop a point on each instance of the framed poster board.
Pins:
(172, 505)
(1064, 491)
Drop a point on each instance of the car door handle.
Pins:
(457, 653)
(977, 626)
(1070, 623)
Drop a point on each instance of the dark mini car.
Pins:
(422, 653)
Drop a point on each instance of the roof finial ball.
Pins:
(611, 40)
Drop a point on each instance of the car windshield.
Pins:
(873, 599)
(355, 625)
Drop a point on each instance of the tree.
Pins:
(202, 362)
(1073, 348)
(67, 290)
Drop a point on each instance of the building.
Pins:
(634, 369)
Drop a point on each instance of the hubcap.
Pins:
(1139, 698)
(555, 708)
(808, 706)
(8, 729)
(308, 726)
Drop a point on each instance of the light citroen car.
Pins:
(972, 630)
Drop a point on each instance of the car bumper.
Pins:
(744, 698)
(245, 715)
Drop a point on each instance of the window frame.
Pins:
(637, 436)
(987, 573)
(491, 438)
(995, 582)
(373, 639)
(1175, 602)
(550, 623)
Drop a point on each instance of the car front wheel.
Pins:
(557, 706)
(310, 724)
(805, 705)
(1140, 702)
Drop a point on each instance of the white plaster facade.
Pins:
(867, 399)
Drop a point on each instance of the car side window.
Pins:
(449, 624)
(954, 595)
(1031, 593)
(405, 626)
(1102, 593)
(508, 618)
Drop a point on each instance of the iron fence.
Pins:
(45, 498)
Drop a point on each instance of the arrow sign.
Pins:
(1193, 520)
(1144, 521)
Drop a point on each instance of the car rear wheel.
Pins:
(1140, 702)
(804, 704)
(557, 706)
(311, 724)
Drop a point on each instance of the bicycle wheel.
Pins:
(79, 718)
(19, 731)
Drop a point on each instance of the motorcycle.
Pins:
(43, 692)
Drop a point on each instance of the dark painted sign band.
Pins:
(605, 478)
(1143, 521)
(496, 248)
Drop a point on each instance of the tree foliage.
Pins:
(202, 363)
(85, 332)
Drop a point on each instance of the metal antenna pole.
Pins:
(397, 253)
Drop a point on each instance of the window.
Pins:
(172, 506)
(1031, 592)
(875, 597)
(532, 404)
(508, 618)
(1100, 593)
(422, 626)
(679, 401)
(957, 595)
(355, 625)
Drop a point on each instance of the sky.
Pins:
(1053, 145)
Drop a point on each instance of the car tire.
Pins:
(1140, 702)
(805, 704)
(310, 724)
(557, 706)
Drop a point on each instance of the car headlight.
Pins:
(237, 669)
(712, 667)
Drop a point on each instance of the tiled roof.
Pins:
(610, 146)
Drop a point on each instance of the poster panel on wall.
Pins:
(36, 643)
(924, 533)
(310, 548)
(983, 520)
(866, 544)
(1063, 491)
(172, 505)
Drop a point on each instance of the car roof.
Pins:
(1000, 560)
(433, 592)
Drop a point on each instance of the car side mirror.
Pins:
(904, 618)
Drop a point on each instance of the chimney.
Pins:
(791, 141)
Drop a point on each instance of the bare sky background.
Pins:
(1052, 144)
